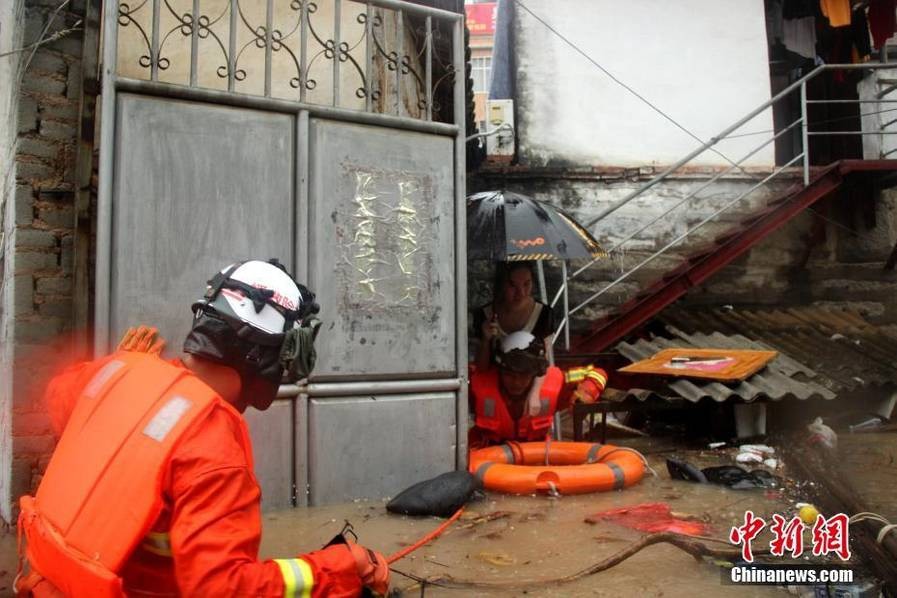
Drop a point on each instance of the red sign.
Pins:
(481, 18)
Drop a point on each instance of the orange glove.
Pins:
(586, 391)
(343, 570)
(143, 339)
(372, 568)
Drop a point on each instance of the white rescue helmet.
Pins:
(285, 296)
(260, 294)
(255, 318)
(523, 353)
(520, 340)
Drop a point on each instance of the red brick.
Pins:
(33, 445)
(31, 424)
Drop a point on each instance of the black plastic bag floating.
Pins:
(680, 470)
(440, 496)
(738, 478)
(734, 477)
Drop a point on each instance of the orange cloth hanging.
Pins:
(837, 11)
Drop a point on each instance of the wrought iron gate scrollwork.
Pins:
(378, 58)
(260, 40)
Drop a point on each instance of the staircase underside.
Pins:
(702, 263)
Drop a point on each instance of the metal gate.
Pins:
(209, 156)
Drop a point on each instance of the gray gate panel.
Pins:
(196, 187)
(374, 447)
(382, 250)
(271, 432)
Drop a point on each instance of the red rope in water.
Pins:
(428, 538)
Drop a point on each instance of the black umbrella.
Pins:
(507, 226)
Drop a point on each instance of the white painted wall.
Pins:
(876, 146)
(703, 62)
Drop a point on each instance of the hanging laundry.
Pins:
(882, 20)
(859, 32)
(800, 36)
(837, 11)
(773, 22)
(798, 9)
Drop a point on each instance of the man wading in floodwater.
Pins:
(508, 405)
(151, 489)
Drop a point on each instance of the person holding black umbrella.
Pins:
(513, 308)
(517, 396)
(515, 230)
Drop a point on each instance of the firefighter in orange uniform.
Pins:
(507, 402)
(151, 490)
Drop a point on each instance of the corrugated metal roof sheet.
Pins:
(782, 378)
(844, 350)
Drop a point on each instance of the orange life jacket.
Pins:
(493, 417)
(101, 492)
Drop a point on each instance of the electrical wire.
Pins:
(616, 80)
(638, 95)
(666, 116)
(816, 122)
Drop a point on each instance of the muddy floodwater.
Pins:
(869, 462)
(505, 538)
(536, 537)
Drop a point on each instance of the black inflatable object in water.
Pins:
(732, 476)
(440, 496)
(680, 470)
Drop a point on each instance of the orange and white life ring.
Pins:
(556, 467)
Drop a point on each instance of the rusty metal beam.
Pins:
(642, 308)
(704, 264)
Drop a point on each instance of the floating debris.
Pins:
(497, 558)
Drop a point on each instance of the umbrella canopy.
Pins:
(507, 226)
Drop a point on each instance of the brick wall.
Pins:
(38, 224)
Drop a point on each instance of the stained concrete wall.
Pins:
(702, 62)
(40, 88)
(878, 117)
(812, 259)
(585, 143)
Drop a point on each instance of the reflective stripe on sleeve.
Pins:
(297, 577)
(574, 375)
(598, 377)
(583, 373)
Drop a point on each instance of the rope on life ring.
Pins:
(574, 467)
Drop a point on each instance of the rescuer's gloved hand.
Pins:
(143, 339)
(586, 391)
(345, 569)
(372, 568)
